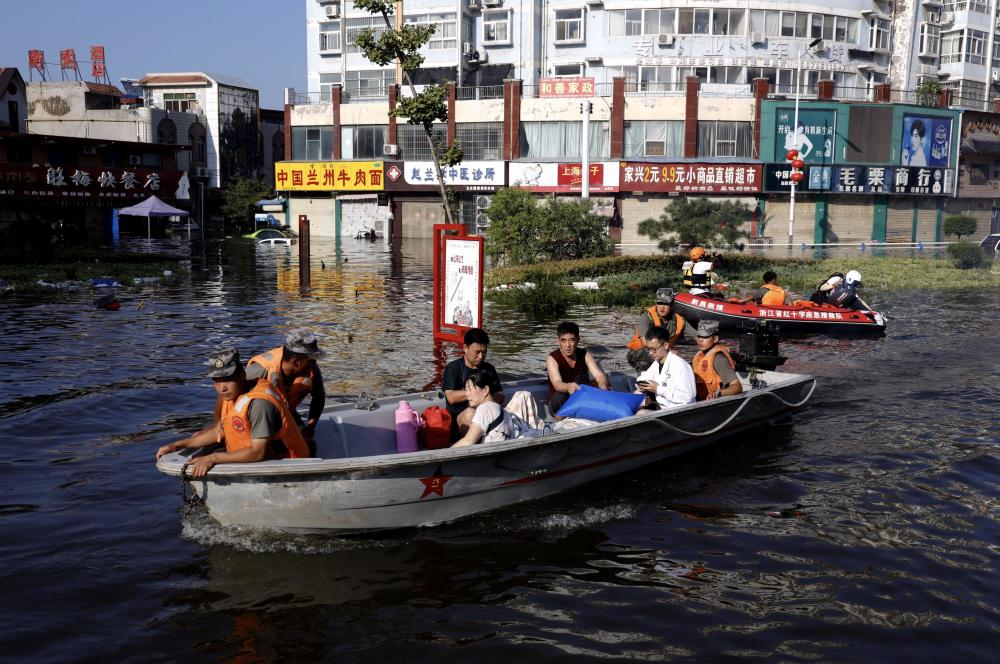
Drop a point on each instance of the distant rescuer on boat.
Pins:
(714, 369)
(669, 380)
(770, 294)
(841, 291)
(476, 343)
(661, 314)
(569, 365)
(292, 370)
(698, 276)
(256, 423)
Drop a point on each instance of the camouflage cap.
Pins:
(224, 363)
(708, 328)
(303, 343)
(665, 296)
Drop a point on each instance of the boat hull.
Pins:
(426, 488)
(793, 320)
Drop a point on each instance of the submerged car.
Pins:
(267, 234)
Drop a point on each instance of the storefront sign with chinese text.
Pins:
(328, 176)
(904, 180)
(87, 182)
(468, 173)
(691, 178)
(564, 178)
(814, 137)
(576, 86)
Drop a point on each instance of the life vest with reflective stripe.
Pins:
(299, 388)
(706, 378)
(238, 431)
(698, 274)
(635, 343)
(775, 296)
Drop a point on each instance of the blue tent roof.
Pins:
(274, 201)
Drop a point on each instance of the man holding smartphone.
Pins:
(669, 380)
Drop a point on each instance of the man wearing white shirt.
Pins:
(669, 380)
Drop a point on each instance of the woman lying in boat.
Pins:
(491, 423)
(256, 423)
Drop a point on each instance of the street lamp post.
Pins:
(586, 107)
(795, 134)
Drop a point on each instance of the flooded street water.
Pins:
(866, 529)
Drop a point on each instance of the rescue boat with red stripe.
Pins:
(794, 319)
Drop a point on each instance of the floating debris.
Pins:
(108, 302)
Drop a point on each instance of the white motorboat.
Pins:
(359, 482)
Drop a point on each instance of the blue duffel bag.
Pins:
(591, 403)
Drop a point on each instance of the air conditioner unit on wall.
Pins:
(757, 38)
(332, 11)
(134, 160)
(492, 3)
(474, 5)
(483, 202)
(466, 48)
(995, 76)
(200, 172)
(665, 40)
(89, 149)
(390, 150)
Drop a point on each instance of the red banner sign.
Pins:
(691, 178)
(36, 59)
(97, 54)
(67, 58)
(577, 86)
(98, 70)
(571, 175)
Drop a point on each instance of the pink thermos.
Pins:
(407, 423)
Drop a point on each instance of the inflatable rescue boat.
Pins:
(798, 318)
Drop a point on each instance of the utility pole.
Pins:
(585, 108)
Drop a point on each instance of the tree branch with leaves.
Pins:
(403, 47)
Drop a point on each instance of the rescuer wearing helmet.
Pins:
(843, 292)
(698, 275)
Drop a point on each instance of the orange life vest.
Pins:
(635, 343)
(300, 387)
(237, 429)
(774, 297)
(706, 378)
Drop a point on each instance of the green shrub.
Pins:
(546, 300)
(959, 225)
(694, 221)
(524, 230)
(967, 256)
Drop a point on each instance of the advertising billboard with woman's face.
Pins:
(926, 141)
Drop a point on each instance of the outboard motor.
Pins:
(759, 349)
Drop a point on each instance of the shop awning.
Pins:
(981, 142)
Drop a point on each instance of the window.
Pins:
(975, 47)
(312, 143)
(166, 132)
(363, 141)
(413, 140)
(369, 83)
(729, 22)
(196, 139)
(569, 26)
(634, 22)
(568, 70)
(179, 101)
(562, 140)
(654, 138)
(951, 47)
(930, 39)
(480, 140)
(446, 34)
(278, 146)
(725, 139)
(326, 83)
(355, 26)
(996, 51)
(878, 37)
(329, 37)
(496, 27)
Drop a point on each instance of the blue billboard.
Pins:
(926, 141)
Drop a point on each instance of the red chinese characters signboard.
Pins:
(577, 86)
(67, 59)
(87, 186)
(691, 178)
(571, 175)
(36, 59)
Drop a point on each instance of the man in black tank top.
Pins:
(570, 366)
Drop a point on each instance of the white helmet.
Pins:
(853, 277)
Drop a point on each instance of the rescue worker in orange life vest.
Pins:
(770, 294)
(714, 369)
(661, 314)
(292, 370)
(256, 423)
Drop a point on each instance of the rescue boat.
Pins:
(358, 482)
(794, 319)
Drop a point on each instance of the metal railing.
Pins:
(479, 92)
